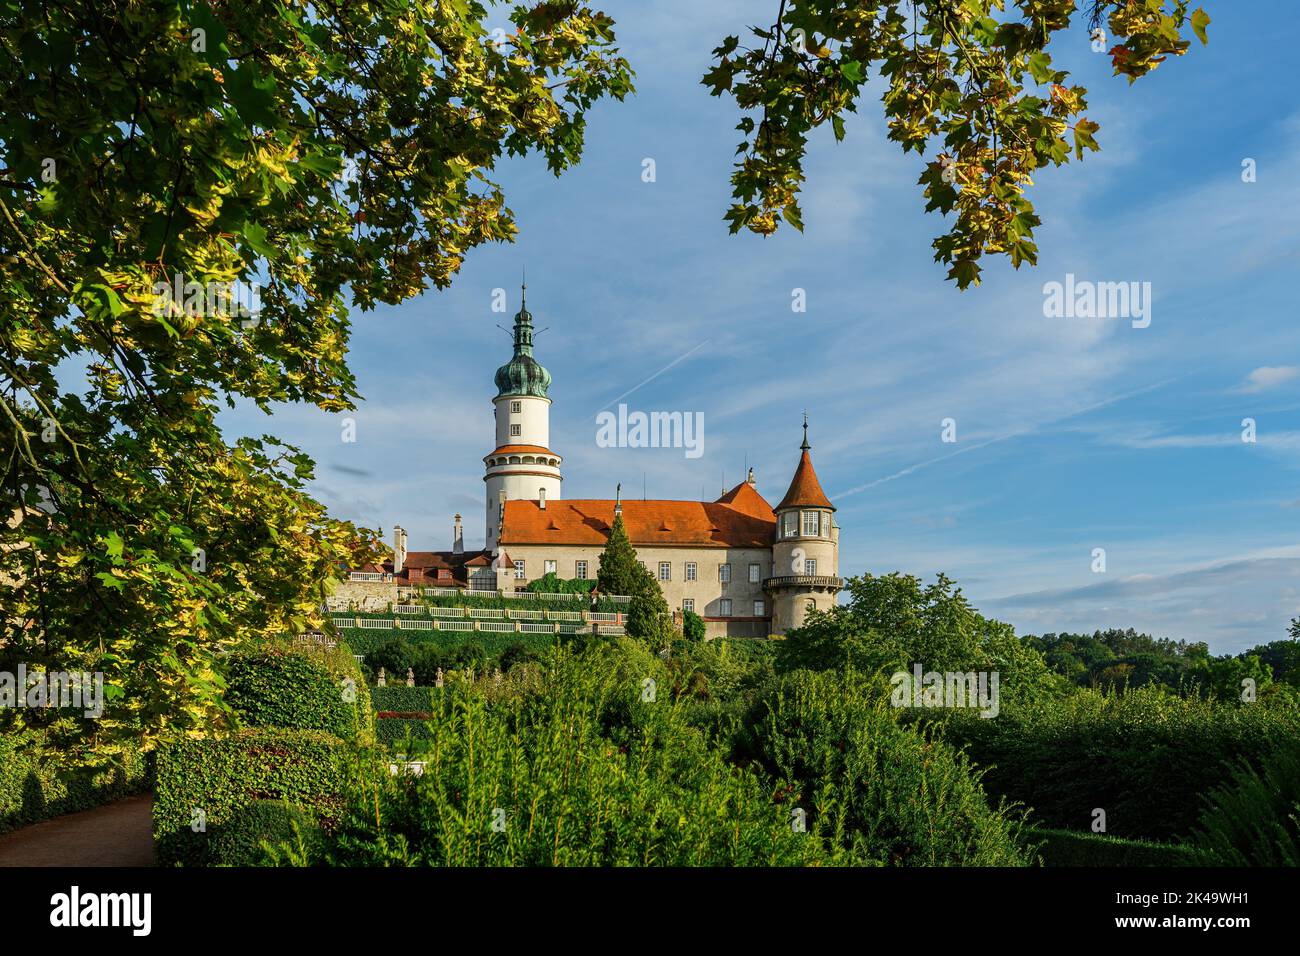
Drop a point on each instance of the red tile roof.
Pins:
(805, 489)
(740, 519)
(422, 567)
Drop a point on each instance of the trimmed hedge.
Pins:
(35, 785)
(1146, 757)
(366, 641)
(402, 699)
(1072, 848)
(239, 842)
(221, 777)
(394, 730)
(298, 690)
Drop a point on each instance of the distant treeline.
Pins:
(1116, 659)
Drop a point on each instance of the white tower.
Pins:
(522, 465)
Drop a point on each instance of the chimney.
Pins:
(541, 498)
(399, 549)
(458, 539)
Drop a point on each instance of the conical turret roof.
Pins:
(805, 490)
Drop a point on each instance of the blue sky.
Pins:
(1073, 434)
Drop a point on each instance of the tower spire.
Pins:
(805, 446)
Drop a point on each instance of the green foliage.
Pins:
(402, 699)
(1145, 756)
(1073, 848)
(244, 839)
(892, 622)
(323, 152)
(398, 731)
(878, 793)
(1123, 659)
(220, 777)
(291, 688)
(587, 774)
(692, 626)
(976, 76)
(552, 583)
(1253, 819)
(619, 571)
(38, 782)
(426, 651)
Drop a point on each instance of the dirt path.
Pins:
(116, 834)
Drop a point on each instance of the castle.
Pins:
(748, 569)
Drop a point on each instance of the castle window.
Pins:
(724, 607)
(519, 570)
(688, 605)
(550, 567)
(580, 570)
(516, 408)
(791, 524)
(809, 565)
(724, 573)
(754, 573)
(758, 609)
(665, 571)
(690, 571)
(514, 431)
(810, 519)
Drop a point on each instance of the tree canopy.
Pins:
(971, 75)
(190, 193)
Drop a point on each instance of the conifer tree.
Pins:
(617, 573)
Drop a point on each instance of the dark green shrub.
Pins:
(1072, 848)
(878, 793)
(692, 626)
(299, 690)
(220, 777)
(454, 643)
(242, 840)
(401, 699)
(552, 583)
(395, 730)
(1253, 819)
(1146, 756)
(37, 783)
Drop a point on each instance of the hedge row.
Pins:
(1145, 757)
(1072, 848)
(402, 699)
(240, 841)
(300, 689)
(366, 641)
(393, 730)
(219, 778)
(35, 785)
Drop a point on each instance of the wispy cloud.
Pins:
(1266, 377)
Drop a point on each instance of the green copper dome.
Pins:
(523, 374)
